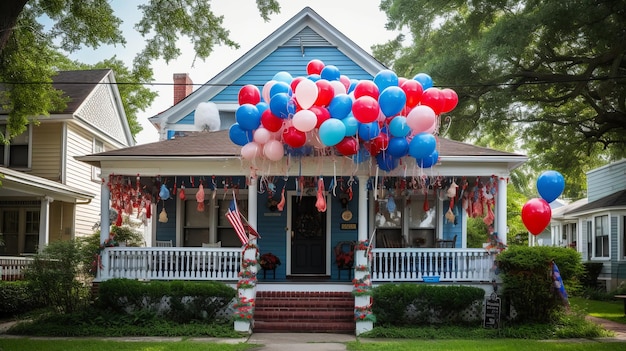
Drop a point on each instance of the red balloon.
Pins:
(249, 94)
(325, 94)
(271, 122)
(294, 137)
(314, 67)
(413, 90)
(321, 113)
(432, 98)
(450, 99)
(348, 146)
(366, 88)
(379, 143)
(365, 109)
(536, 215)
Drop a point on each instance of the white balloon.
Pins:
(250, 151)
(338, 87)
(421, 119)
(304, 120)
(274, 150)
(266, 90)
(262, 136)
(306, 93)
(207, 117)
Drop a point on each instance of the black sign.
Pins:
(492, 312)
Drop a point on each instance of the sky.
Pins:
(359, 20)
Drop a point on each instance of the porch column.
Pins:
(252, 203)
(501, 209)
(363, 217)
(105, 221)
(44, 222)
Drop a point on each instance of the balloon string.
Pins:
(376, 184)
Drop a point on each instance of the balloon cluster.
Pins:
(536, 212)
(387, 117)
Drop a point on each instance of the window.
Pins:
(98, 146)
(16, 154)
(225, 232)
(20, 230)
(601, 226)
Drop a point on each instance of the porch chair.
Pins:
(164, 243)
(451, 244)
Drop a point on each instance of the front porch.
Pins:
(224, 264)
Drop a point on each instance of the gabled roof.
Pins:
(305, 18)
(77, 85)
(616, 200)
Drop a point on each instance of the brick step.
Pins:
(312, 312)
(310, 326)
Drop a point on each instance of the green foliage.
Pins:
(409, 304)
(33, 52)
(592, 270)
(545, 76)
(91, 246)
(17, 298)
(53, 277)
(187, 301)
(527, 279)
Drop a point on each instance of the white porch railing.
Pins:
(170, 263)
(450, 265)
(12, 268)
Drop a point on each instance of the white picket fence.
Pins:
(12, 268)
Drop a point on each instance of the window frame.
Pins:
(598, 224)
(6, 155)
(95, 171)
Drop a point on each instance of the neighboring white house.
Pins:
(595, 226)
(46, 194)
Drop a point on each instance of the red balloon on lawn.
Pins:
(536, 215)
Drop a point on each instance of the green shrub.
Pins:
(17, 297)
(91, 245)
(527, 279)
(179, 301)
(53, 277)
(409, 304)
(590, 277)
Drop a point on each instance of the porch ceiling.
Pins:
(213, 153)
(19, 184)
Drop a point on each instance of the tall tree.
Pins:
(29, 50)
(550, 73)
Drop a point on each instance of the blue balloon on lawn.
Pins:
(248, 117)
(239, 136)
(398, 147)
(422, 145)
(550, 185)
(424, 79)
(340, 106)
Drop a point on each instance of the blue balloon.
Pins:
(352, 125)
(314, 77)
(398, 127)
(424, 79)
(361, 156)
(262, 106)
(422, 145)
(278, 105)
(332, 131)
(550, 185)
(280, 87)
(283, 76)
(369, 131)
(398, 147)
(353, 83)
(239, 136)
(386, 162)
(392, 100)
(248, 117)
(340, 106)
(429, 160)
(385, 78)
(330, 72)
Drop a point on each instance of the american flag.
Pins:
(234, 217)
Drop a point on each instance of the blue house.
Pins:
(311, 206)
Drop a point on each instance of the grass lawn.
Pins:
(491, 345)
(104, 345)
(611, 310)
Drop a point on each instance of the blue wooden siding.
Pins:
(166, 231)
(451, 229)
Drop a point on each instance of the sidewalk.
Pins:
(618, 328)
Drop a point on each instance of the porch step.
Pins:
(308, 312)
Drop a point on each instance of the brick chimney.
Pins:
(182, 86)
